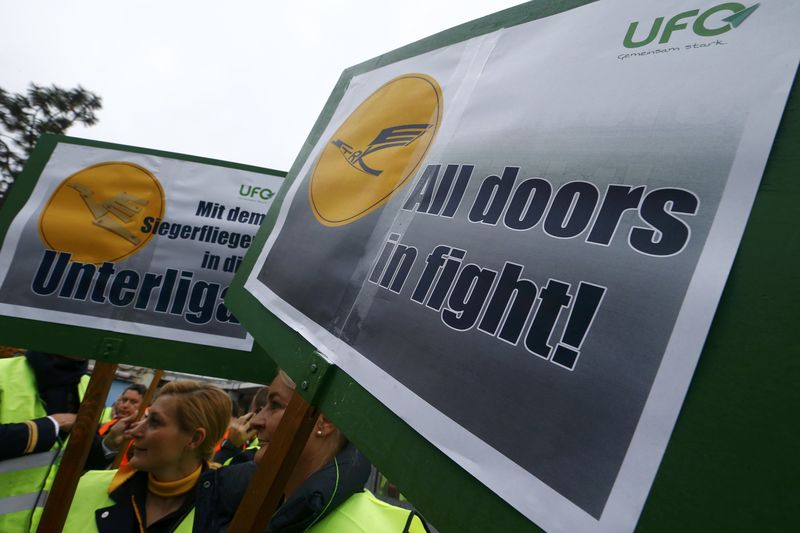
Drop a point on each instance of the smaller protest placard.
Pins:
(132, 241)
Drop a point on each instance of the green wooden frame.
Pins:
(107, 346)
(725, 468)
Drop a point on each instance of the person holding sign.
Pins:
(240, 442)
(126, 405)
(172, 446)
(324, 493)
(39, 396)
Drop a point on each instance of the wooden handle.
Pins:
(273, 472)
(80, 441)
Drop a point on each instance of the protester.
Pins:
(129, 401)
(126, 408)
(29, 424)
(126, 405)
(39, 396)
(240, 442)
(172, 445)
(328, 478)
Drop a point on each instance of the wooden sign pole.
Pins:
(77, 450)
(266, 487)
(147, 399)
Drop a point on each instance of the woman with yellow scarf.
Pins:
(155, 492)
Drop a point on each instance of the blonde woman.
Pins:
(155, 492)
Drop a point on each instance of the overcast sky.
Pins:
(242, 81)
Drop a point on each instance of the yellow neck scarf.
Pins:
(170, 489)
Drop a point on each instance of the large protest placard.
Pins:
(123, 240)
(517, 241)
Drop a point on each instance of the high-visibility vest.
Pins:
(106, 427)
(91, 495)
(364, 513)
(106, 415)
(24, 481)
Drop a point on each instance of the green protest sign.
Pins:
(125, 254)
(508, 242)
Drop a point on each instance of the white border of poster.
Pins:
(538, 501)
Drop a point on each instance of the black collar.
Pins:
(121, 517)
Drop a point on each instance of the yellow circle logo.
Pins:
(376, 150)
(96, 214)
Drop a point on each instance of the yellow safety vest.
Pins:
(364, 513)
(105, 415)
(24, 481)
(91, 495)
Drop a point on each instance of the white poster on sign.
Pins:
(517, 242)
(135, 243)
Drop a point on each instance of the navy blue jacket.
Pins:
(57, 381)
(220, 491)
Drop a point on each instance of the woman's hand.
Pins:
(118, 433)
(240, 430)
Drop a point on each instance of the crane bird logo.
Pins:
(96, 213)
(388, 138)
(376, 150)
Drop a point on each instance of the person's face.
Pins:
(158, 442)
(266, 421)
(128, 404)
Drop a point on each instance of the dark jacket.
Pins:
(15, 439)
(233, 454)
(241, 456)
(220, 491)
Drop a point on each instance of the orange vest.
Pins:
(104, 429)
